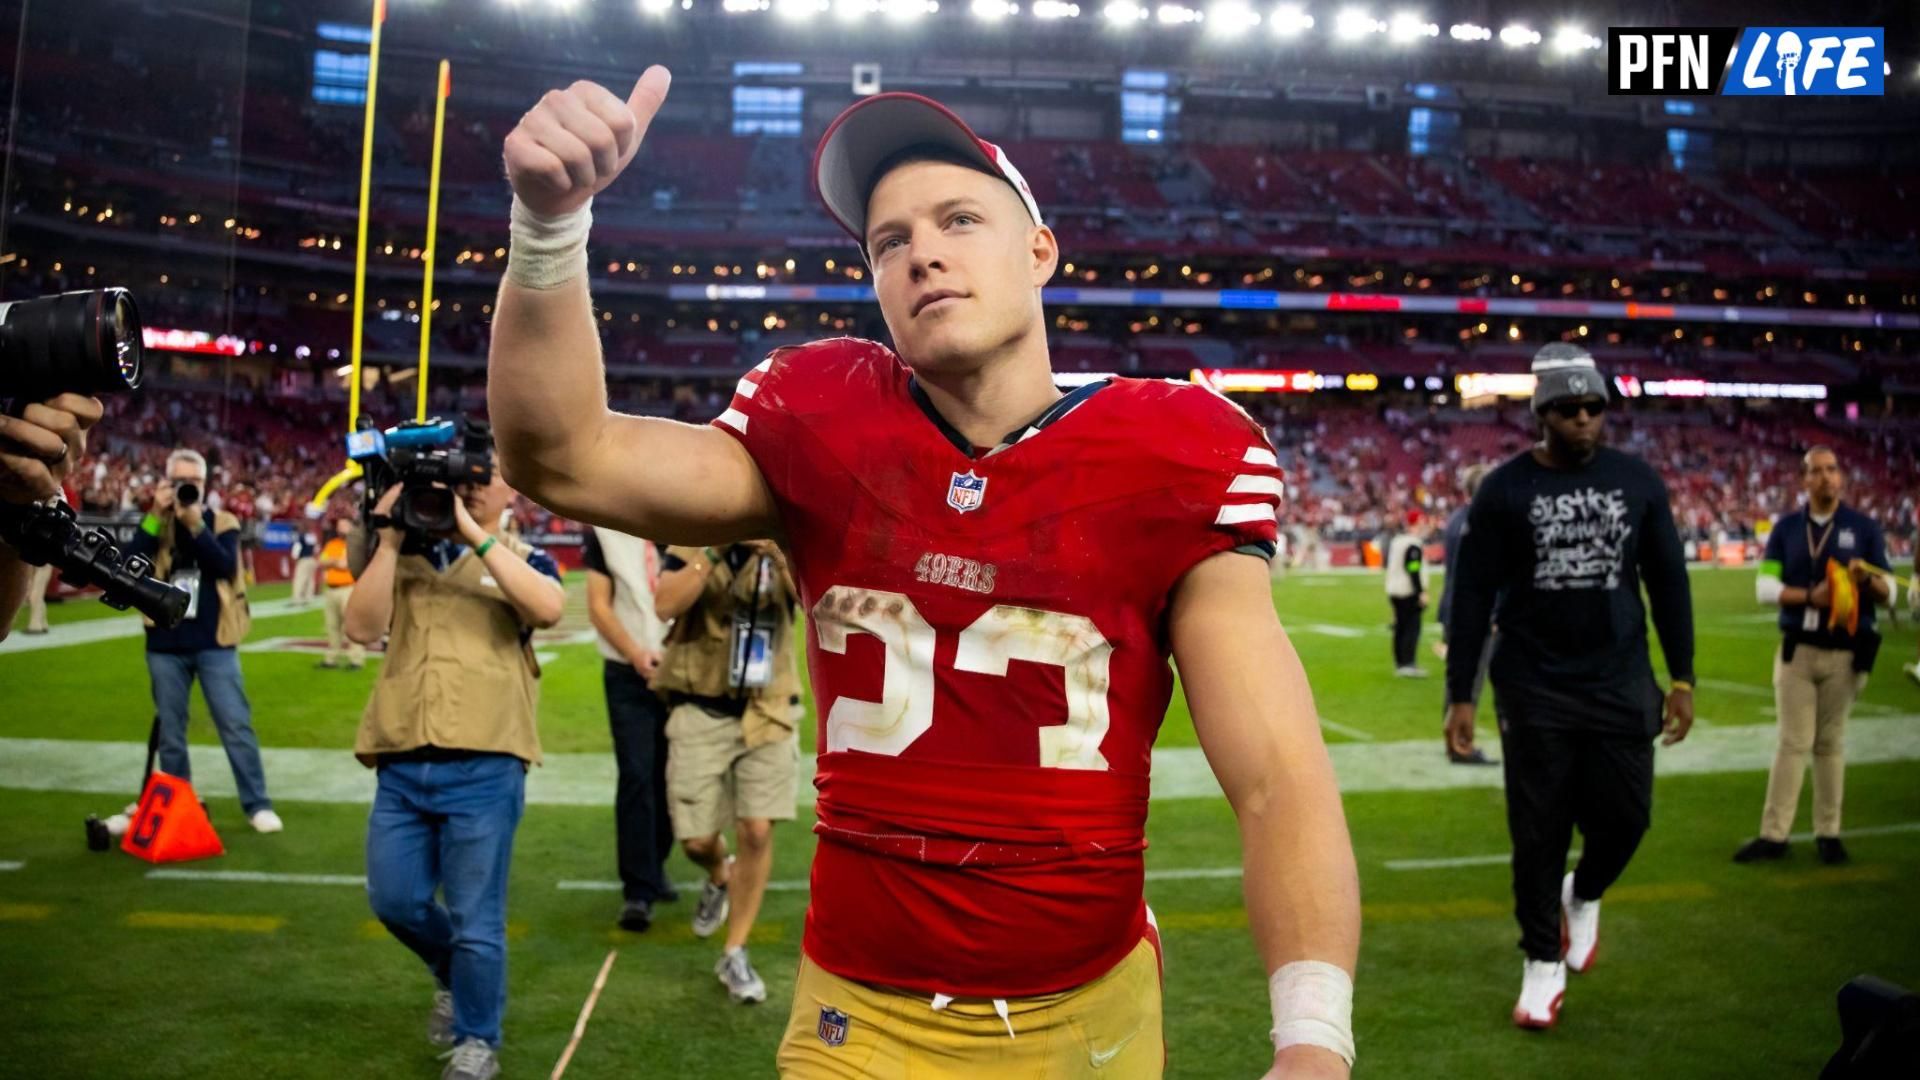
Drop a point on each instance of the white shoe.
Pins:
(1912, 670)
(1411, 672)
(1579, 928)
(266, 821)
(1542, 985)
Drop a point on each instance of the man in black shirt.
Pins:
(1558, 542)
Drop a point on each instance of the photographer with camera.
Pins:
(451, 730)
(198, 549)
(38, 448)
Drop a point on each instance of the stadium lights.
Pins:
(1177, 15)
(1123, 12)
(851, 10)
(993, 10)
(799, 10)
(1352, 24)
(1517, 36)
(1290, 20)
(1231, 17)
(1469, 32)
(1572, 39)
(740, 7)
(656, 7)
(1408, 27)
(906, 10)
(1055, 9)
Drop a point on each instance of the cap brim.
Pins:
(871, 131)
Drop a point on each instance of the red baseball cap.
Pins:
(1415, 517)
(874, 129)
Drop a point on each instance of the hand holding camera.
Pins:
(42, 444)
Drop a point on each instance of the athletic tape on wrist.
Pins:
(545, 252)
(1312, 1006)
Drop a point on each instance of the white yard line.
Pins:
(333, 776)
(1345, 729)
(1504, 857)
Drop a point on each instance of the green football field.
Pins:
(274, 968)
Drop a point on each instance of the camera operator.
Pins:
(450, 729)
(198, 549)
(37, 450)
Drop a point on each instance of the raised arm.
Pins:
(1254, 713)
(558, 441)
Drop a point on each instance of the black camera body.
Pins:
(86, 342)
(429, 459)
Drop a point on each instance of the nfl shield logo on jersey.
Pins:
(967, 491)
(833, 1026)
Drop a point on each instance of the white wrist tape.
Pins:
(1767, 589)
(1312, 1006)
(547, 252)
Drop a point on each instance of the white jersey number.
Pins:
(1004, 634)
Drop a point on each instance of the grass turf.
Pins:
(1706, 968)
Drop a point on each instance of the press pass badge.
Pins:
(190, 581)
(752, 652)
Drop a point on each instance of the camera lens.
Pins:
(186, 494)
(85, 342)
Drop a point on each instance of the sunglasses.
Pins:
(1568, 410)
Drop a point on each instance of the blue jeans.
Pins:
(172, 675)
(449, 826)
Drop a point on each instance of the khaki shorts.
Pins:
(1109, 1029)
(713, 780)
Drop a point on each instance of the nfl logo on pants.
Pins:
(833, 1026)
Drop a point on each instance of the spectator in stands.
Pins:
(452, 753)
(197, 548)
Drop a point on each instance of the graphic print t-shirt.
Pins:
(1561, 554)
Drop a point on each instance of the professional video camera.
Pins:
(429, 459)
(85, 342)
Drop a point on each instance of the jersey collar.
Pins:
(1054, 413)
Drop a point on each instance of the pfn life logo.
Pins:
(1779, 61)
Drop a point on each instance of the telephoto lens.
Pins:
(187, 494)
(85, 342)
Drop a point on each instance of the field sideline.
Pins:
(272, 966)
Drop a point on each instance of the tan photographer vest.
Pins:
(236, 617)
(696, 660)
(457, 674)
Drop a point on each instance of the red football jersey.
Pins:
(989, 651)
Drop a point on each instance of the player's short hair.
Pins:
(919, 152)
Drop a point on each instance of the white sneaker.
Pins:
(1411, 672)
(710, 913)
(1542, 985)
(266, 821)
(1579, 928)
(1912, 670)
(736, 973)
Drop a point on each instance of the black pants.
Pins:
(1556, 780)
(644, 833)
(1406, 629)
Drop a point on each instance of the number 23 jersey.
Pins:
(989, 654)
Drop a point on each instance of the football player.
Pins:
(996, 574)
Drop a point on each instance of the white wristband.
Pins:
(1312, 1006)
(547, 252)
